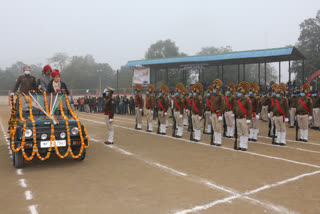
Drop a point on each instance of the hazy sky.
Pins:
(118, 31)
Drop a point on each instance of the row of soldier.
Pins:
(219, 114)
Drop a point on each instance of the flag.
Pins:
(54, 120)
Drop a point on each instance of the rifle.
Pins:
(211, 134)
(204, 123)
(136, 126)
(235, 146)
(190, 121)
(174, 126)
(224, 125)
(158, 130)
(274, 133)
(191, 128)
(297, 128)
(269, 132)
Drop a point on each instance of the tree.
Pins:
(60, 60)
(309, 44)
(162, 49)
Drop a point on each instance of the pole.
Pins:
(279, 72)
(118, 81)
(218, 71)
(222, 71)
(100, 83)
(244, 71)
(199, 75)
(238, 73)
(290, 72)
(259, 73)
(265, 75)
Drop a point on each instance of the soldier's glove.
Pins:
(166, 113)
(111, 120)
(220, 118)
(257, 116)
(39, 87)
(286, 120)
(232, 115)
(248, 121)
(11, 94)
(140, 109)
(187, 110)
(310, 117)
(151, 112)
(181, 115)
(200, 118)
(268, 115)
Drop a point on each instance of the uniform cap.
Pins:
(26, 68)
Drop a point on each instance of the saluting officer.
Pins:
(208, 111)
(150, 103)
(138, 106)
(293, 105)
(229, 116)
(281, 114)
(109, 112)
(255, 112)
(274, 87)
(178, 107)
(304, 112)
(163, 104)
(243, 113)
(197, 110)
(217, 108)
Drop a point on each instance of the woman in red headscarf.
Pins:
(56, 85)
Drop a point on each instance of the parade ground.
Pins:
(146, 173)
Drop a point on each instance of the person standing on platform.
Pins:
(208, 111)
(150, 103)
(178, 108)
(25, 82)
(138, 106)
(280, 112)
(242, 110)
(293, 105)
(304, 112)
(109, 106)
(163, 104)
(217, 107)
(229, 116)
(255, 112)
(197, 111)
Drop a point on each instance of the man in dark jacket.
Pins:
(25, 82)
(109, 113)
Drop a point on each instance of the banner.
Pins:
(141, 76)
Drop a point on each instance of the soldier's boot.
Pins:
(180, 131)
(305, 139)
(110, 138)
(198, 135)
(245, 144)
(185, 121)
(228, 132)
(215, 138)
(251, 134)
(301, 135)
(167, 123)
(231, 132)
(209, 129)
(139, 126)
(283, 139)
(255, 135)
(218, 137)
(151, 127)
(241, 143)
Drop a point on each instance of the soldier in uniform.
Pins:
(109, 105)
(208, 112)
(316, 110)
(150, 103)
(197, 110)
(189, 107)
(293, 104)
(274, 87)
(304, 112)
(178, 107)
(217, 108)
(265, 102)
(185, 95)
(255, 112)
(25, 82)
(163, 104)
(243, 112)
(138, 106)
(229, 116)
(280, 112)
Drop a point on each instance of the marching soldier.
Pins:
(178, 107)
(265, 102)
(189, 108)
(150, 103)
(25, 82)
(109, 113)
(197, 110)
(229, 100)
(304, 112)
(208, 112)
(168, 100)
(243, 113)
(163, 104)
(316, 110)
(217, 108)
(185, 96)
(255, 112)
(280, 112)
(293, 104)
(139, 106)
(274, 87)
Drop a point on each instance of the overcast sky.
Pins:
(117, 31)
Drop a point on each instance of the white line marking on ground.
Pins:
(28, 195)
(22, 183)
(19, 172)
(33, 209)
(205, 144)
(168, 168)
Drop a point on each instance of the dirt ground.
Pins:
(147, 173)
